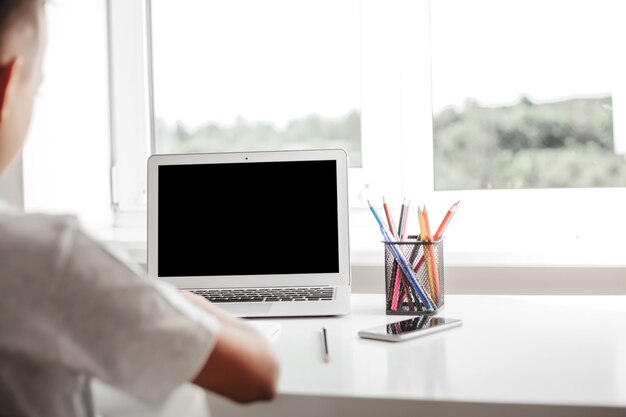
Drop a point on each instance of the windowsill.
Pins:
(506, 270)
(366, 250)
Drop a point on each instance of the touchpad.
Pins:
(245, 309)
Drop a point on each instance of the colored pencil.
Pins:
(401, 259)
(431, 261)
(446, 220)
(390, 221)
(402, 219)
(405, 219)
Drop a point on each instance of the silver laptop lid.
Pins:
(249, 219)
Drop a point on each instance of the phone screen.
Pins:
(409, 328)
(417, 323)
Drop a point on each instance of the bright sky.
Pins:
(265, 60)
(495, 50)
(274, 60)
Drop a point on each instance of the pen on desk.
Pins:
(325, 336)
(444, 223)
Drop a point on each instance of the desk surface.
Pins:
(560, 355)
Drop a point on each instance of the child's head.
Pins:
(22, 42)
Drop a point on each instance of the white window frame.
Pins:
(382, 104)
(130, 110)
(397, 152)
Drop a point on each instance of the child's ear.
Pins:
(8, 79)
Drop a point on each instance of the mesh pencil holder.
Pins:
(414, 277)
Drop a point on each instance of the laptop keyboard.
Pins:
(260, 295)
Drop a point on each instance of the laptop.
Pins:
(260, 234)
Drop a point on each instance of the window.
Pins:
(213, 84)
(398, 157)
(66, 157)
(245, 75)
(527, 108)
(527, 95)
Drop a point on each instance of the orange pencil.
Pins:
(445, 221)
(431, 262)
(428, 237)
(420, 219)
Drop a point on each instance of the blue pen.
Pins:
(403, 262)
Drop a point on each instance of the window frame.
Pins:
(131, 94)
(130, 107)
(396, 106)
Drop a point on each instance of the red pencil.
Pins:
(446, 221)
(389, 219)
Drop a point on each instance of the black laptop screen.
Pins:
(255, 218)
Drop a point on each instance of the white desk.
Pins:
(513, 356)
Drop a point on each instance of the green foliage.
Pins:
(309, 132)
(528, 145)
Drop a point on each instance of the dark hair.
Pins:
(17, 12)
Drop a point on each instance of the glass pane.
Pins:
(527, 93)
(66, 156)
(256, 75)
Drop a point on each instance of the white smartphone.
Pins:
(409, 329)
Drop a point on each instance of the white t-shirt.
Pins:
(70, 311)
